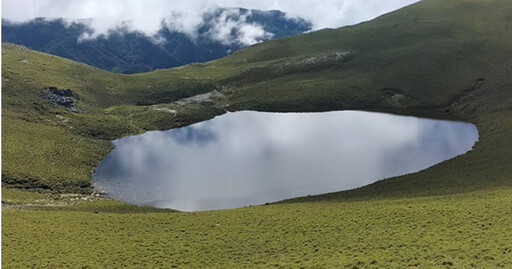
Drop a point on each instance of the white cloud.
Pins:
(252, 33)
(185, 15)
(185, 21)
(233, 22)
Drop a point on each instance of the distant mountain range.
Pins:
(126, 51)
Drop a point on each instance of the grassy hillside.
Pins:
(448, 59)
(434, 59)
(68, 145)
(458, 231)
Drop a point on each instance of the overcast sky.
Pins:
(184, 15)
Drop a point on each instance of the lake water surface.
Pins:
(250, 158)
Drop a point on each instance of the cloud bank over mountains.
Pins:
(186, 16)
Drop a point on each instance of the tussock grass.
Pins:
(461, 231)
(439, 59)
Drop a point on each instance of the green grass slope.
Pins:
(439, 59)
(47, 146)
(435, 59)
(456, 231)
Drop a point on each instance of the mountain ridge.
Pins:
(122, 50)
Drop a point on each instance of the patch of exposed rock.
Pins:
(336, 56)
(64, 98)
(395, 98)
(201, 98)
(166, 110)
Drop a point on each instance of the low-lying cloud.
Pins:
(233, 21)
(187, 15)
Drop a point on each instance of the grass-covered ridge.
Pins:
(434, 58)
(449, 59)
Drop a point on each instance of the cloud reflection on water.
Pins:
(247, 158)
